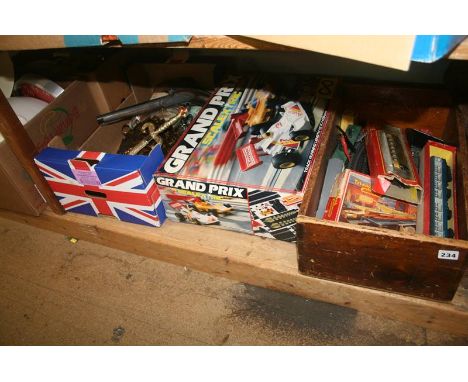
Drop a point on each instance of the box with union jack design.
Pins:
(97, 183)
(92, 178)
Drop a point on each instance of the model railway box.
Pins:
(395, 260)
(437, 213)
(244, 162)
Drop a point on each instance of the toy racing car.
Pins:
(187, 214)
(216, 209)
(275, 129)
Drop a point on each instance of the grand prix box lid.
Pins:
(258, 131)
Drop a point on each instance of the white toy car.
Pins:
(187, 214)
(279, 137)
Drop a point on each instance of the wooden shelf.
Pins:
(246, 43)
(235, 42)
(14, 43)
(261, 262)
(460, 52)
(196, 42)
(252, 260)
(32, 42)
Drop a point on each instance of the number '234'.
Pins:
(448, 255)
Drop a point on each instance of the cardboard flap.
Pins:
(380, 185)
(108, 138)
(390, 51)
(54, 163)
(57, 142)
(70, 116)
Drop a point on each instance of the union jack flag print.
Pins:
(89, 183)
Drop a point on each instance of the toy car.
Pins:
(216, 209)
(187, 214)
(277, 131)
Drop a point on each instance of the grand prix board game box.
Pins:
(243, 164)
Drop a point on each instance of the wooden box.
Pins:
(382, 258)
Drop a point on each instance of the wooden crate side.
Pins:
(376, 258)
(402, 106)
(317, 172)
(462, 171)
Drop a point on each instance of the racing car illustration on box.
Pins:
(197, 210)
(215, 209)
(185, 213)
(276, 129)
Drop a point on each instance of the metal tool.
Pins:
(153, 133)
(175, 97)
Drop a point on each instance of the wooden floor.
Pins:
(260, 262)
(54, 292)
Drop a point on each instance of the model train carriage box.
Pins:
(244, 162)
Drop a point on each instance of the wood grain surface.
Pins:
(197, 42)
(21, 145)
(252, 260)
(460, 52)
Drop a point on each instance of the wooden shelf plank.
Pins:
(253, 260)
(14, 43)
(32, 42)
(460, 52)
(235, 42)
(196, 42)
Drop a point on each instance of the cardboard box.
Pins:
(244, 162)
(70, 116)
(353, 201)
(97, 181)
(392, 51)
(438, 213)
(430, 48)
(391, 165)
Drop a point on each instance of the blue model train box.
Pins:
(244, 162)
